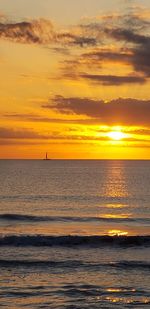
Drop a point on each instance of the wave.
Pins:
(20, 217)
(72, 241)
(75, 264)
(51, 197)
(32, 218)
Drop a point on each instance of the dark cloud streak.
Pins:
(114, 80)
(120, 111)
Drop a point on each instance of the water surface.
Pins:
(74, 234)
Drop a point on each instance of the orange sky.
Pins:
(75, 85)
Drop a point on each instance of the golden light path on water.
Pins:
(116, 216)
(119, 205)
(117, 233)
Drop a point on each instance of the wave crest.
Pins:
(72, 241)
(32, 218)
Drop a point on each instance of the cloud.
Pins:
(75, 39)
(20, 134)
(84, 122)
(120, 111)
(120, 39)
(99, 55)
(129, 33)
(38, 118)
(140, 48)
(24, 137)
(9, 142)
(42, 32)
(114, 80)
(141, 131)
(81, 66)
(37, 31)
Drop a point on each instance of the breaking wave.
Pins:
(72, 241)
(32, 218)
(75, 264)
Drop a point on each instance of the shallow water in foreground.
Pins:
(74, 234)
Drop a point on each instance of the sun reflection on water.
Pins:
(111, 205)
(129, 300)
(118, 290)
(116, 216)
(117, 233)
(116, 182)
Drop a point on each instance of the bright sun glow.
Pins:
(116, 135)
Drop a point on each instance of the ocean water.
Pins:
(74, 234)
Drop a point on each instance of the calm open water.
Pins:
(74, 234)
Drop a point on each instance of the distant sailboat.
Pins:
(46, 157)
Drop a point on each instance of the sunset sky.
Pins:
(75, 79)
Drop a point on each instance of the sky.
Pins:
(75, 79)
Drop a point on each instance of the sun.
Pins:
(116, 135)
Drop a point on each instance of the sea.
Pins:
(74, 234)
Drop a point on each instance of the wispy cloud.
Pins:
(130, 33)
(120, 39)
(38, 118)
(36, 31)
(20, 134)
(43, 32)
(114, 79)
(25, 137)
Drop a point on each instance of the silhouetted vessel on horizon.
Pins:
(46, 157)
